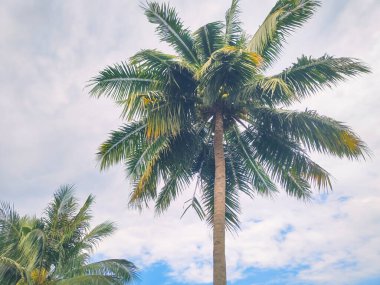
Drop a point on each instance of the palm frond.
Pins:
(278, 152)
(283, 19)
(120, 269)
(153, 60)
(170, 29)
(176, 167)
(121, 144)
(10, 225)
(62, 208)
(204, 165)
(90, 279)
(233, 24)
(166, 116)
(269, 91)
(228, 69)
(294, 184)
(10, 263)
(125, 84)
(121, 80)
(177, 181)
(308, 75)
(91, 239)
(315, 132)
(143, 168)
(236, 171)
(257, 174)
(9, 274)
(208, 39)
(166, 110)
(232, 202)
(32, 248)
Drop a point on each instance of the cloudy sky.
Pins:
(50, 129)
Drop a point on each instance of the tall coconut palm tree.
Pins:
(56, 249)
(212, 112)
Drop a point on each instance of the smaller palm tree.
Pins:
(56, 249)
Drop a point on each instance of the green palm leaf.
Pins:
(269, 91)
(260, 180)
(233, 28)
(121, 144)
(308, 75)
(171, 30)
(120, 80)
(119, 269)
(316, 133)
(56, 249)
(208, 39)
(207, 177)
(213, 96)
(283, 19)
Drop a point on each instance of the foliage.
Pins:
(56, 249)
(170, 103)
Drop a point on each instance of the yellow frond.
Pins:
(39, 276)
(203, 69)
(256, 58)
(349, 140)
(228, 49)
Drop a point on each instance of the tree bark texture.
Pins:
(219, 256)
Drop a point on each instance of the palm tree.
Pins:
(56, 249)
(213, 113)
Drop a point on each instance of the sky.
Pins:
(50, 130)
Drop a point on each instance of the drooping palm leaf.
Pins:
(207, 176)
(121, 144)
(126, 83)
(269, 91)
(119, 269)
(171, 30)
(282, 20)
(308, 75)
(277, 152)
(261, 182)
(315, 132)
(176, 168)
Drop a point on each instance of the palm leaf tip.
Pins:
(309, 75)
(208, 39)
(354, 147)
(233, 25)
(170, 29)
(283, 19)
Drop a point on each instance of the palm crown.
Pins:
(56, 249)
(212, 113)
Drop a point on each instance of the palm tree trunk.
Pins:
(219, 203)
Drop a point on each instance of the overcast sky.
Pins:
(50, 130)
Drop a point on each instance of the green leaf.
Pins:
(285, 17)
(208, 39)
(171, 30)
(121, 143)
(315, 132)
(308, 75)
(233, 24)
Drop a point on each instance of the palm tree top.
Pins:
(170, 102)
(212, 113)
(57, 248)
